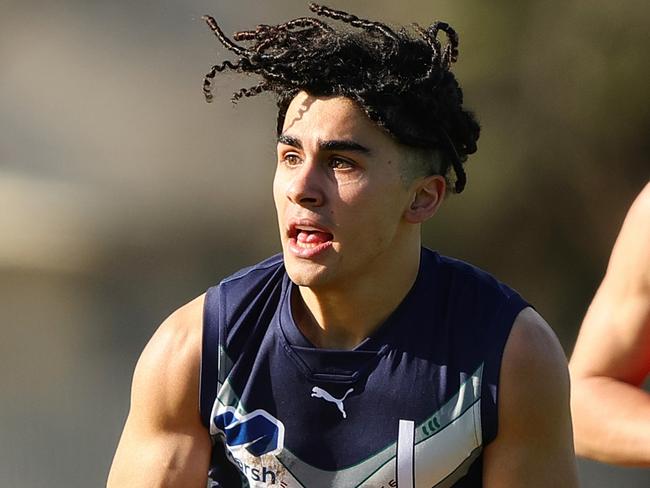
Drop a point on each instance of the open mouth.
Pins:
(311, 238)
(307, 241)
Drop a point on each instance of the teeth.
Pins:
(307, 245)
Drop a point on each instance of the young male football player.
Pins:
(355, 357)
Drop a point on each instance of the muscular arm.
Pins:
(611, 359)
(534, 445)
(164, 443)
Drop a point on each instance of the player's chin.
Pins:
(306, 273)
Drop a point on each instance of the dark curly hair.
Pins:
(400, 79)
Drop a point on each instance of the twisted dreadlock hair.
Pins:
(400, 79)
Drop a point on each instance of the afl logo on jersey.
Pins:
(258, 432)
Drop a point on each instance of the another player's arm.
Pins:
(164, 443)
(534, 444)
(611, 359)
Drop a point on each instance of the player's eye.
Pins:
(340, 163)
(291, 159)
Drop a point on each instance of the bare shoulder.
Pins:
(631, 254)
(178, 334)
(534, 372)
(533, 348)
(642, 202)
(167, 372)
(534, 417)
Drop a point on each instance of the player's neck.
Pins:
(342, 317)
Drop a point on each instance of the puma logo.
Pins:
(317, 392)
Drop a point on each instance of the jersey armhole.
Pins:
(209, 355)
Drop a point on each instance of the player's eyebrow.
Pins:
(289, 141)
(332, 145)
(343, 146)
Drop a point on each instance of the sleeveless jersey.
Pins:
(411, 406)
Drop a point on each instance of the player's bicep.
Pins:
(534, 444)
(164, 442)
(614, 339)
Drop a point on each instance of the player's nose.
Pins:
(305, 187)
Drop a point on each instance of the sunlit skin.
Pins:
(349, 223)
(611, 359)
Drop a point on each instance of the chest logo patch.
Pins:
(317, 392)
(258, 432)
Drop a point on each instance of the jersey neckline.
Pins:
(347, 365)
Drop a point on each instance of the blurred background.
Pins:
(124, 195)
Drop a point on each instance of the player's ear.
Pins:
(426, 197)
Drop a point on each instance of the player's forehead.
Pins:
(313, 118)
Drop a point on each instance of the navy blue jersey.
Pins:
(412, 405)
